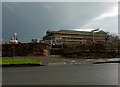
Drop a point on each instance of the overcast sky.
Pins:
(33, 19)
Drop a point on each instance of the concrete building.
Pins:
(72, 36)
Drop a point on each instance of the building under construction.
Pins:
(72, 36)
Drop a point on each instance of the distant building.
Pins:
(35, 41)
(72, 36)
(14, 40)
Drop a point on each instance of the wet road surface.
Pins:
(81, 74)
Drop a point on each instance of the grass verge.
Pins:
(19, 61)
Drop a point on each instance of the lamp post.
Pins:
(109, 37)
(94, 34)
(93, 37)
(51, 43)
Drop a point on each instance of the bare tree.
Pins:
(115, 38)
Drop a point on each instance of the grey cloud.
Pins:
(31, 20)
(109, 24)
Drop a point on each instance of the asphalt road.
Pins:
(82, 74)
